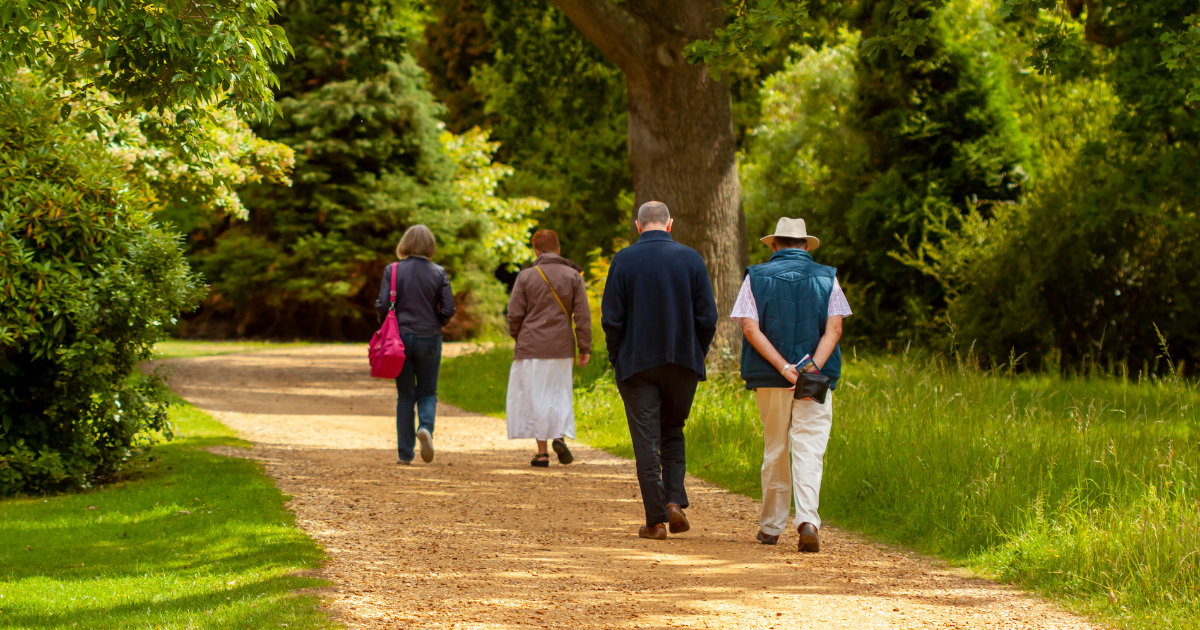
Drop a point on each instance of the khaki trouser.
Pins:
(795, 433)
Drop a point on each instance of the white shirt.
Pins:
(746, 306)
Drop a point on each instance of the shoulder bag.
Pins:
(386, 352)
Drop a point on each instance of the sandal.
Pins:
(564, 453)
(541, 460)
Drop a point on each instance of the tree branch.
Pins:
(620, 35)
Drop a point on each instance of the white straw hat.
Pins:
(792, 228)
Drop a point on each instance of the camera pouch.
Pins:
(811, 385)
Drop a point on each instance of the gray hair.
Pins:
(653, 212)
(787, 242)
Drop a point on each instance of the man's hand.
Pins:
(792, 375)
(583, 359)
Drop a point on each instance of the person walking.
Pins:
(659, 319)
(424, 304)
(791, 307)
(548, 315)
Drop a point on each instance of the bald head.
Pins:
(653, 215)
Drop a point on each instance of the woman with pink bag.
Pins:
(423, 304)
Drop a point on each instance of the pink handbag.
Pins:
(386, 352)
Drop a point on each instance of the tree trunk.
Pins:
(682, 147)
(683, 152)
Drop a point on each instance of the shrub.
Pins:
(87, 282)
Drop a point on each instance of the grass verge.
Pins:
(188, 540)
(1084, 489)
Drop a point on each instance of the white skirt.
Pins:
(540, 404)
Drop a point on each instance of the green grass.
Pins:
(1084, 489)
(126, 555)
(181, 349)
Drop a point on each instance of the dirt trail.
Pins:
(479, 539)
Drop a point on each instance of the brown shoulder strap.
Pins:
(570, 320)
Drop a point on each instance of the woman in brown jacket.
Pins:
(548, 315)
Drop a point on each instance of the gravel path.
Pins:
(479, 539)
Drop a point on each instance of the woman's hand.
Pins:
(583, 359)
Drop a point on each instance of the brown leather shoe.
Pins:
(654, 532)
(810, 542)
(679, 522)
(767, 539)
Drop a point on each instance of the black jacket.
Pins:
(658, 307)
(424, 300)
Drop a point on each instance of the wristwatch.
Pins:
(786, 367)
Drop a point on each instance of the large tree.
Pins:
(682, 145)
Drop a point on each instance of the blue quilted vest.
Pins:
(792, 294)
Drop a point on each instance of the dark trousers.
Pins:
(657, 402)
(416, 387)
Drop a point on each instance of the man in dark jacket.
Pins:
(659, 319)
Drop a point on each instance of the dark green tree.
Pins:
(372, 159)
(457, 41)
(1103, 256)
(941, 139)
(307, 260)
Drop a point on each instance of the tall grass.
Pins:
(1086, 488)
(1083, 488)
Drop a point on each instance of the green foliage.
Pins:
(800, 156)
(189, 540)
(559, 111)
(188, 185)
(883, 153)
(1105, 245)
(456, 41)
(87, 282)
(371, 160)
(149, 54)
(910, 27)
(752, 28)
(339, 41)
(1181, 52)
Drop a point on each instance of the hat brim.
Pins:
(813, 242)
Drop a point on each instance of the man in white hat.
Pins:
(791, 307)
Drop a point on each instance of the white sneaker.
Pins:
(426, 441)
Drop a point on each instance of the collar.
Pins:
(550, 258)
(655, 236)
(792, 254)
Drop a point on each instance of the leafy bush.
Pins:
(1105, 247)
(883, 153)
(87, 282)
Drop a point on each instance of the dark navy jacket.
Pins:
(424, 300)
(658, 307)
(792, 293)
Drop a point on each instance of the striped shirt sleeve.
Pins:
(745, 306)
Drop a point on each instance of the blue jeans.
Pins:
(416, 387)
